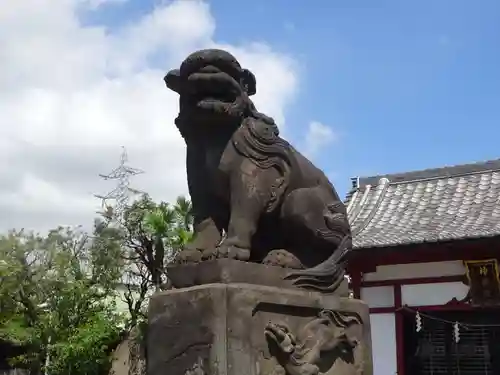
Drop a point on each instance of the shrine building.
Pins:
(425, 259)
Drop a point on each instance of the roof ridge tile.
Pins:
(433, 173)
(390, 213)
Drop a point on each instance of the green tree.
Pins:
(184, 213)
(57, 299)
(149, 235)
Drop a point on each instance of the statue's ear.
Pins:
(249, 82)
(173, 80)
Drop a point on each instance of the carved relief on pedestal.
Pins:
(196, 369)
(330, 342)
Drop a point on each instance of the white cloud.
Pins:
(318, 136)
(71, 94)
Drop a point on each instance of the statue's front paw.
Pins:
(227, 251)
(209, 254)
(308, 369)
(188, 256)
(233, 252)
(282, 258)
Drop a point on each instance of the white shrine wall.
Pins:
(432, 294)
(419, 285)
(416, 270)
(378, 296)
(384, 345)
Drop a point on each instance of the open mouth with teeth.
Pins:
(210, 87)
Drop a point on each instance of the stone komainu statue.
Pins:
(272, 203)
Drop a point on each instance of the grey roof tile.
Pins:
(426, 206)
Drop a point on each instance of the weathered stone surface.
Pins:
(227, 271)
(129, 358)
(263, 299)
(234, 329)
(273, 204)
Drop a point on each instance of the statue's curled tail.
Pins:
(327, 276)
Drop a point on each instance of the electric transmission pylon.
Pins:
(121, 195)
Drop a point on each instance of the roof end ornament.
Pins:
(355, 182)
(384, 181)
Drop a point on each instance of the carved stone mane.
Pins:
(259, 141)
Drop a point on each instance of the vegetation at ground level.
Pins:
(59, 292)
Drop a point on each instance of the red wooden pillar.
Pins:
(355, 276)
(399, 330)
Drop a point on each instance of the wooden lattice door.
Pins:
(434, 350)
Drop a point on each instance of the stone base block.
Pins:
(228, 271)
(248, 329)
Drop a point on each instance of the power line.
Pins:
(121, 194)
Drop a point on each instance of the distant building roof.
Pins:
(431, 205)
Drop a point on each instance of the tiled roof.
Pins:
(426, 206)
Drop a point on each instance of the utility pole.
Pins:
(122, 193)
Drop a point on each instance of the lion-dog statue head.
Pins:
(213, 89)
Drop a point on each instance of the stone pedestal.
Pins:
(243, 328)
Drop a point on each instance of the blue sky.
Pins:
(405, 85)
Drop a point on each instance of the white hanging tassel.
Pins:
(418, 321)
(456, 332)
